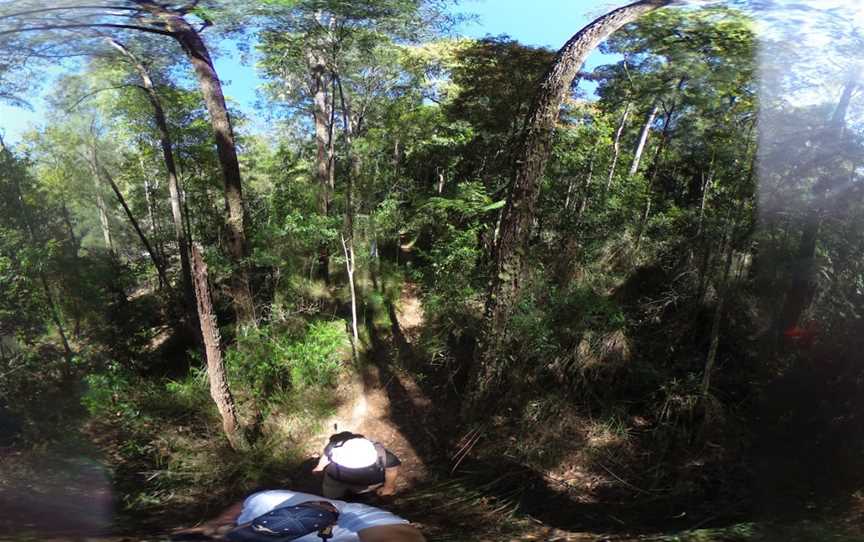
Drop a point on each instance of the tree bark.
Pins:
(348, 244)
(219, 388)
(174, 189)
(707, 183)
(518, 215)
(211, 90)
(349, 267)
(718, 315)
(321, 117)
(643, 139)
(103, 213)
(616, 147)
(655, 167)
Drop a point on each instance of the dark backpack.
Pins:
(289, 523)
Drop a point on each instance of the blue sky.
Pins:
(546, 23)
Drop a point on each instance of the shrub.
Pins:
(107, 393)
(315, 359)
(192, 391)
(270, 360)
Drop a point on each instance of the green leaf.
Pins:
(493, 206)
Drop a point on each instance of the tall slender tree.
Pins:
(174, 189)
(518, 217)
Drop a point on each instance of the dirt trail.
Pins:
(387, 405)
(391, 407)
(394, 398)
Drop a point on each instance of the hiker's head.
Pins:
(288, 523)
(351, 450)
(343, 436)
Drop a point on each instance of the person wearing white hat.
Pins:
(354, 464)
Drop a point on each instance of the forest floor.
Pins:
(447, 503)
(382, 399)
(385, 398)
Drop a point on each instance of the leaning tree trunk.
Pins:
(655, 167)
(219, 389)
(173, 179)
(211, 89)
(518, 215)
(46, 289)
(103, 173)
(643, 139)
(616, 147)
(103, 214)
(55, 316)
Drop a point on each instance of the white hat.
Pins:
(354, 453)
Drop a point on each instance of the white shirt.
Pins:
(353, 516)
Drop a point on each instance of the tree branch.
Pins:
(67, 8)
(91, 94)
(83, 25)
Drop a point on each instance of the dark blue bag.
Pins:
(289, 523)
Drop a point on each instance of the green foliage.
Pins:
(275, 359)
(317, 359)
(191, 392)
(605, 352)
(107, 394)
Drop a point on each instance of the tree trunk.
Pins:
(55, 316)
(321, 117)
(353, 159)
(211, 90)
(174, 189)
(103, 214)
(616, 147)
(70, 229)
(802, 287)
(74, 247)
(219, 389)
(718, 315)
(583, 203)
(103, 173)
(349, 267)
(655, 167)
(706, 189)
(55, 312)
(518, 215)
(643, 139)
(348, 245)
(331, 145)
(150, 214)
